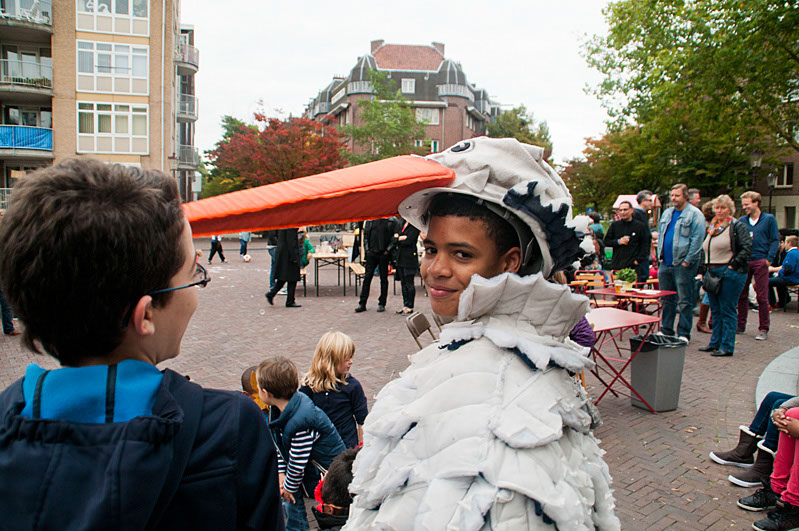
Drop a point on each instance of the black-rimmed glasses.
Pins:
(200, 270)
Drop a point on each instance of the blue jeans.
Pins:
(243, 249)
(271, 267)
(296, 518)
(725, 308)
(677, 278)
(7, 316)
(762, 424)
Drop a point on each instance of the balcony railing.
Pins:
(5, 193)
(451, 89)
(359, 87)
(188, 106)
(26, 73)
(35, 11)
(24, 137)
(188, 54)
(189, 155)
(321, 108)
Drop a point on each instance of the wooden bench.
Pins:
(357, 270)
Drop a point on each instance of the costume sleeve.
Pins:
(773, 238)
(299, 453)
(258, 489)
(358, 402)
(583, 334)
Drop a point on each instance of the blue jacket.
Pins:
(790, 266)
(689, 233)
(197, 462)
(765, 236)
(301, 414)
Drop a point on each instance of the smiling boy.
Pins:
(98, 261)
(487, 429)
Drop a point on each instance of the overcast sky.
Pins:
(283, 53)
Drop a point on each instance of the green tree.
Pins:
(708, 81)
(221, 180)
(520, 124)
(389, 124)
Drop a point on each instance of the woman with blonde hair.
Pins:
(727, 248)
(334, 390)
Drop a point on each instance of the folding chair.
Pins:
(438, 321)
(417, 325)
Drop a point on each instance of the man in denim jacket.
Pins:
(680, 235)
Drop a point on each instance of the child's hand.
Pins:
(286, 495)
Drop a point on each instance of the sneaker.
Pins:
(762, 500)
(783, 518)
(684, 339)
(224, 261)
(283, 291)
(762, 336)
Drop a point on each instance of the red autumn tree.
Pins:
(276, 150)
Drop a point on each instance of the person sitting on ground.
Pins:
(787, 273)
(301, 432)
(333, 493)
(331, 387)
(98, 260)
(487, 428)
(760, 436)
(781, 490)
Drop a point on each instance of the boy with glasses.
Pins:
(118, 442)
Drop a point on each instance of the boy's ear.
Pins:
(142, 317)
(512, 260)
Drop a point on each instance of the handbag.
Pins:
(710, 282)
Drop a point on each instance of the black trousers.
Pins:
(216, 247)
(379, 261)
(290, 289)
(407, 276)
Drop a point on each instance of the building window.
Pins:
(408, 86)
(427, 116)
(112, 128)
(27, 65)
(28, 116)
(343, 119)
(112, 68)
(127, 17)
(790, 217)
(785, 180)
(434, 146)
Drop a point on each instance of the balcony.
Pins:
(26, 20)
(24, 141)
(359, 87)
(322, 107)
(187, 108)
(5, 193)
(187, 59)
(451, 89)
(188, 157)
(26, 77)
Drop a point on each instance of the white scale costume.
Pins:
(487, 429)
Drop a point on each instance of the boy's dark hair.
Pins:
(278, 376)
(246, 380)
(594, 217)
(500, 231)
(335, 489)
(81, 242)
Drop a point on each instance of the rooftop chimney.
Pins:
(439, 46)
(377, 44)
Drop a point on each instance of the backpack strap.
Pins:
(190, 397)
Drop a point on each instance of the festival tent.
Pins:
(369, 191)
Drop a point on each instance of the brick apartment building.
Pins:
(112, 80)
(435, 86)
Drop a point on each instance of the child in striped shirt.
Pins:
(306, 440)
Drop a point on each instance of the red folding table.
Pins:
(609, 325)
(648, 295)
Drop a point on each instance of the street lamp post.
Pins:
(755, 158)
(772, 184)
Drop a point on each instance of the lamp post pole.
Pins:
(772, 183)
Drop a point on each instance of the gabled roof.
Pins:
(408, 57)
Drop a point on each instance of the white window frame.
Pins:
(97, 8)
(408, 85)
(434, 146)
(783, 176)
(115, 70)
(117, 110)
(434, 117)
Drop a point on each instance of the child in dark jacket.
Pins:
(303, 435)
(333, 493)
(334, 390)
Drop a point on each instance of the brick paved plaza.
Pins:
(663, 478)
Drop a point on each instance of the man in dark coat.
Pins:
(378, 240)
(407, 263)
(287, 266)
(629, 238)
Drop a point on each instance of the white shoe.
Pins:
(283, 291)
(684, 339)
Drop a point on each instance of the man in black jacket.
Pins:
(630, 240)
(378, 238)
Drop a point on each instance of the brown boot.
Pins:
(742, 454)
(704, 310)
(754, 475)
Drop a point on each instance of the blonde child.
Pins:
(334, 390)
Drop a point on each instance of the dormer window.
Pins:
(408, 86)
